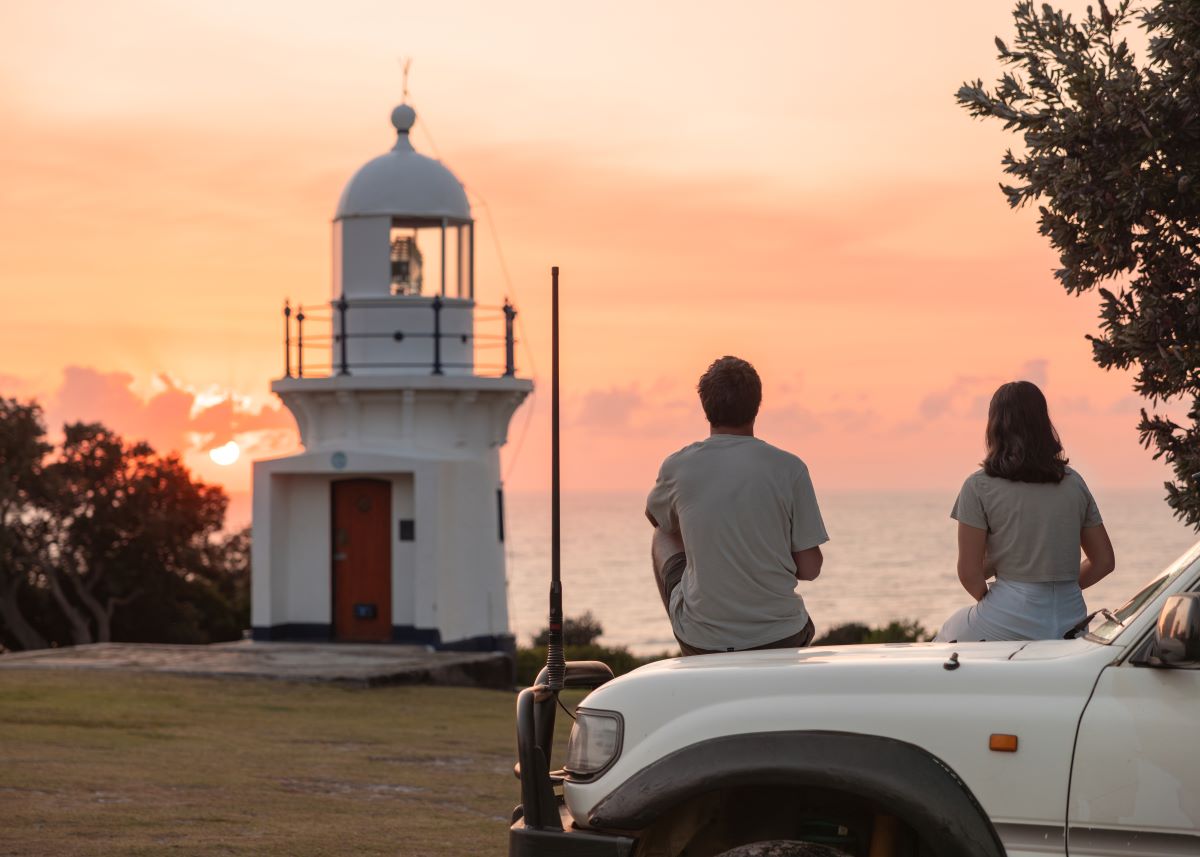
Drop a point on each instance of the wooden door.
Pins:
(362, 560)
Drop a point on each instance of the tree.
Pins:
(1112, 152)
(896, 631)
(580, 635)
(577, 631)
(22, 448)
(103, 540)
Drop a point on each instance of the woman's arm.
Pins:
(972, 544)
(1100, 559)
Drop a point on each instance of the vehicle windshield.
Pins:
(1107, 624)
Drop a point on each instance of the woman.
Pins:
(1023, 519)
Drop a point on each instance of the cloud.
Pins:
(170, 419)
(787, 419)
(1074, 404)
(649, 411)
(1034, 370)
(222, 421)
(10, 384)
(935, 404)
(1129, 403)
(953, 399)
(967, 396)
(613, 408)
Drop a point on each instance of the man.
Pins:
(736, 525)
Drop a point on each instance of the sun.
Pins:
(226, 454)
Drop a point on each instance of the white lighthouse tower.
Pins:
(389, 526)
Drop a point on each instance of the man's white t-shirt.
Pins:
(743, 507)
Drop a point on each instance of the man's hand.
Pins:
(808, 563)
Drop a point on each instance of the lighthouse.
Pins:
(389, 525)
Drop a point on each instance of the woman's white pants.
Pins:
(1016, 610)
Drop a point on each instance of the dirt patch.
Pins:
(330, 788)
(434, 761)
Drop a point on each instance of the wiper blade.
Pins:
(1087, 620)
(1110, 616)
(1079, 626)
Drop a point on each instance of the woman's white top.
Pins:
(1032, 527)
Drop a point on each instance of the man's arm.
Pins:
(807, 528)
(808, 563)
(660, 510)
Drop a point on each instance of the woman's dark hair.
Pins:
(1022, 444)
(730, 392)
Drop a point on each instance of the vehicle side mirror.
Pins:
(1176, 641)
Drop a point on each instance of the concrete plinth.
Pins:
(356, 665)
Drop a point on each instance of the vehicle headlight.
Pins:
(595, 743)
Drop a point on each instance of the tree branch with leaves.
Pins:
(1112, 159)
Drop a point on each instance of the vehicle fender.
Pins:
(909, 782)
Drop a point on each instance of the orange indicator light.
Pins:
(1003, 743)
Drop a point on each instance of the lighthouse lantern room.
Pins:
(389, 525)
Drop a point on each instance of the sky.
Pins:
(791, 183)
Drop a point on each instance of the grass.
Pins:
(120, 764)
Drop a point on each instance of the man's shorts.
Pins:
(668, 578)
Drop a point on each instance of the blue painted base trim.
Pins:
(417, 636)
(306, 632)
(313, 632)
(506, 643)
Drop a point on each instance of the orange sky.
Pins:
(791, 183)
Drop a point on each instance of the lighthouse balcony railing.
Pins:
(317, 339)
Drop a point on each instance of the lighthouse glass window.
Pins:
(406, 262)
(429, 258)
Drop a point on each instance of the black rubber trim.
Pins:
(536, 708)
(529, 842)
(912, 784)
(539, 805)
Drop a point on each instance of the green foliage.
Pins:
(577, 631)
(580, 634)
(530, 661)
(1112, 152)
(22, 450)
(896, 631)
(105, 540)
(619, 659)
(852, 633)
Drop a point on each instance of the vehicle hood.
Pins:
(774, 659)
(816, 677)
(903, 691)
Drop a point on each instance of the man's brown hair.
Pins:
(730, 392)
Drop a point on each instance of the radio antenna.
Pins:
(556, 666)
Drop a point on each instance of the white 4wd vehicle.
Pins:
(1087, 746)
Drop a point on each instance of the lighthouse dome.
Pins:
(404, 183)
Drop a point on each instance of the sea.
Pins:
(891, 555)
